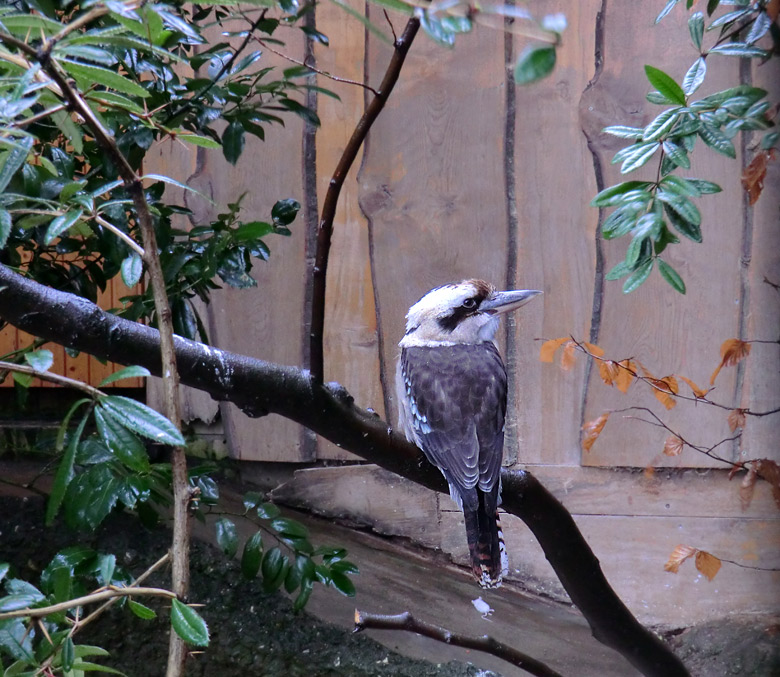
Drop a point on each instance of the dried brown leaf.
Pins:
(736, 419)
(698, 392)
(625, 375)
(678, 556)
(732, 351)
(755, 173)
(547, 351)
(649, 472)
(673, 446)
(592, 430)
(770, 471)
(664, 388)
(707, 564)
(609, 372)
(747, 488)
(567, 356)
(593, 349)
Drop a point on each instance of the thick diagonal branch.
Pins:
(260, 387)
(325, 227)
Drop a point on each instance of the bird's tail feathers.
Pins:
(486, 543)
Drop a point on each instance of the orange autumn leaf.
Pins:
(593, 349)
(673, 446)
(592, 430)
(698, 392)
(567, 357)
(755, 173)
(547, 351)
(770, 471)
(625, 375)
(609, 372)
(736, 419)
(664, 388)
(678, 556)
(707, 564)
(731, 352)
(747, 488)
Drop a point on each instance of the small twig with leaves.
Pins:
(486, 644)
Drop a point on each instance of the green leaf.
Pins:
(680, 204)
(197, 140)
(739, 49)
(638, 276)
(254, 230)
(717, 140)
(696, 29)
(661, 125)
(4, 567)
(614, 194)
(676, 154)
(691, 230)
(227, 536)
(436, 29)
(695, 76)
(5, 227)
(273, 569)
(143, 612)
(620, 270)
(639, 156)
(252, 555)
(289, 527)
(769, 140)
(60, 224)
(141, 419)
(535, 62)
(14, 159)
(681, 186)
(65, 472)
(233, 142)
(188, 624)
(85, 666)
(704, 187)
(91, 496)
(125, 446)
(670, 5)
(132, 371)
(132, 269)
(16, 640)
(303, 596)
(342, 583)
(251, 499)
(712, 5)
(40, 359)
(671, 276)
(268, 511)
(284, 212)
(665, 84)
(624, 132)
(634, 250)
(178, 184)
(620, 222)
(68, 654)
(114, 100)
(91, 75)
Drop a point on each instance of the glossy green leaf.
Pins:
(5, 226)
(64, 474)
(80, 667)
(16, 640)
(641, 154)
(107, 568)
(188, 624)
(695, 76)
(638, 276)
(303, 596)
(4, 568)
(60, 224)
(252, 499)
(342, 583)
(676, 154)
(197, 140)
(704, 187)
(681, 186)
(284, 212)
(624, 132)
(124, 445)
(141, 419)
(760, 27)
(227, 536)
(620, 270)
(696, 29)
(614, 194)
(272, 564)
(132, 371)
(68, 654)
(665, 84)
(132, 268)
(114, 100)
(252, 555)
(40, 359)
(233, 140)
(268, 511)
(739, 49)
(680, 204)
(178, 184)
(717, 140)
(712, 5)
(289, 527)
(671, 276)
(13, 159)
(619, 223)
(668, 7)
(92, 75)
(691, 230)
(91, 496)
(142, 611)
(662, 124)
(535, 62)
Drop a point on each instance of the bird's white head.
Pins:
(465, 312)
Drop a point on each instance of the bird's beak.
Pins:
(507, 301)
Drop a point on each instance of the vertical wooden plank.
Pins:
(351, 338)
(556, 240)
(431, 184)
(668, 332)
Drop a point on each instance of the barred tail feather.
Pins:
(486, 545)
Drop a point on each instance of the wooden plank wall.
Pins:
(466, 175)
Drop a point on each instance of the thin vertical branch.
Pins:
(325, 227)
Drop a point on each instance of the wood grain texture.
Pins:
(351, 341)
(670, 333)
(554, 179)
(431, 184)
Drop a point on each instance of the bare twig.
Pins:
(109, 592)
(94, 393)
(486, 644)
(325, 228)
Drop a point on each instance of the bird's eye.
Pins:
(470, 304)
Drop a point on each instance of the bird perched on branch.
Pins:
(452, 387)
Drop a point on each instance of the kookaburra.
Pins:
(452, 386)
